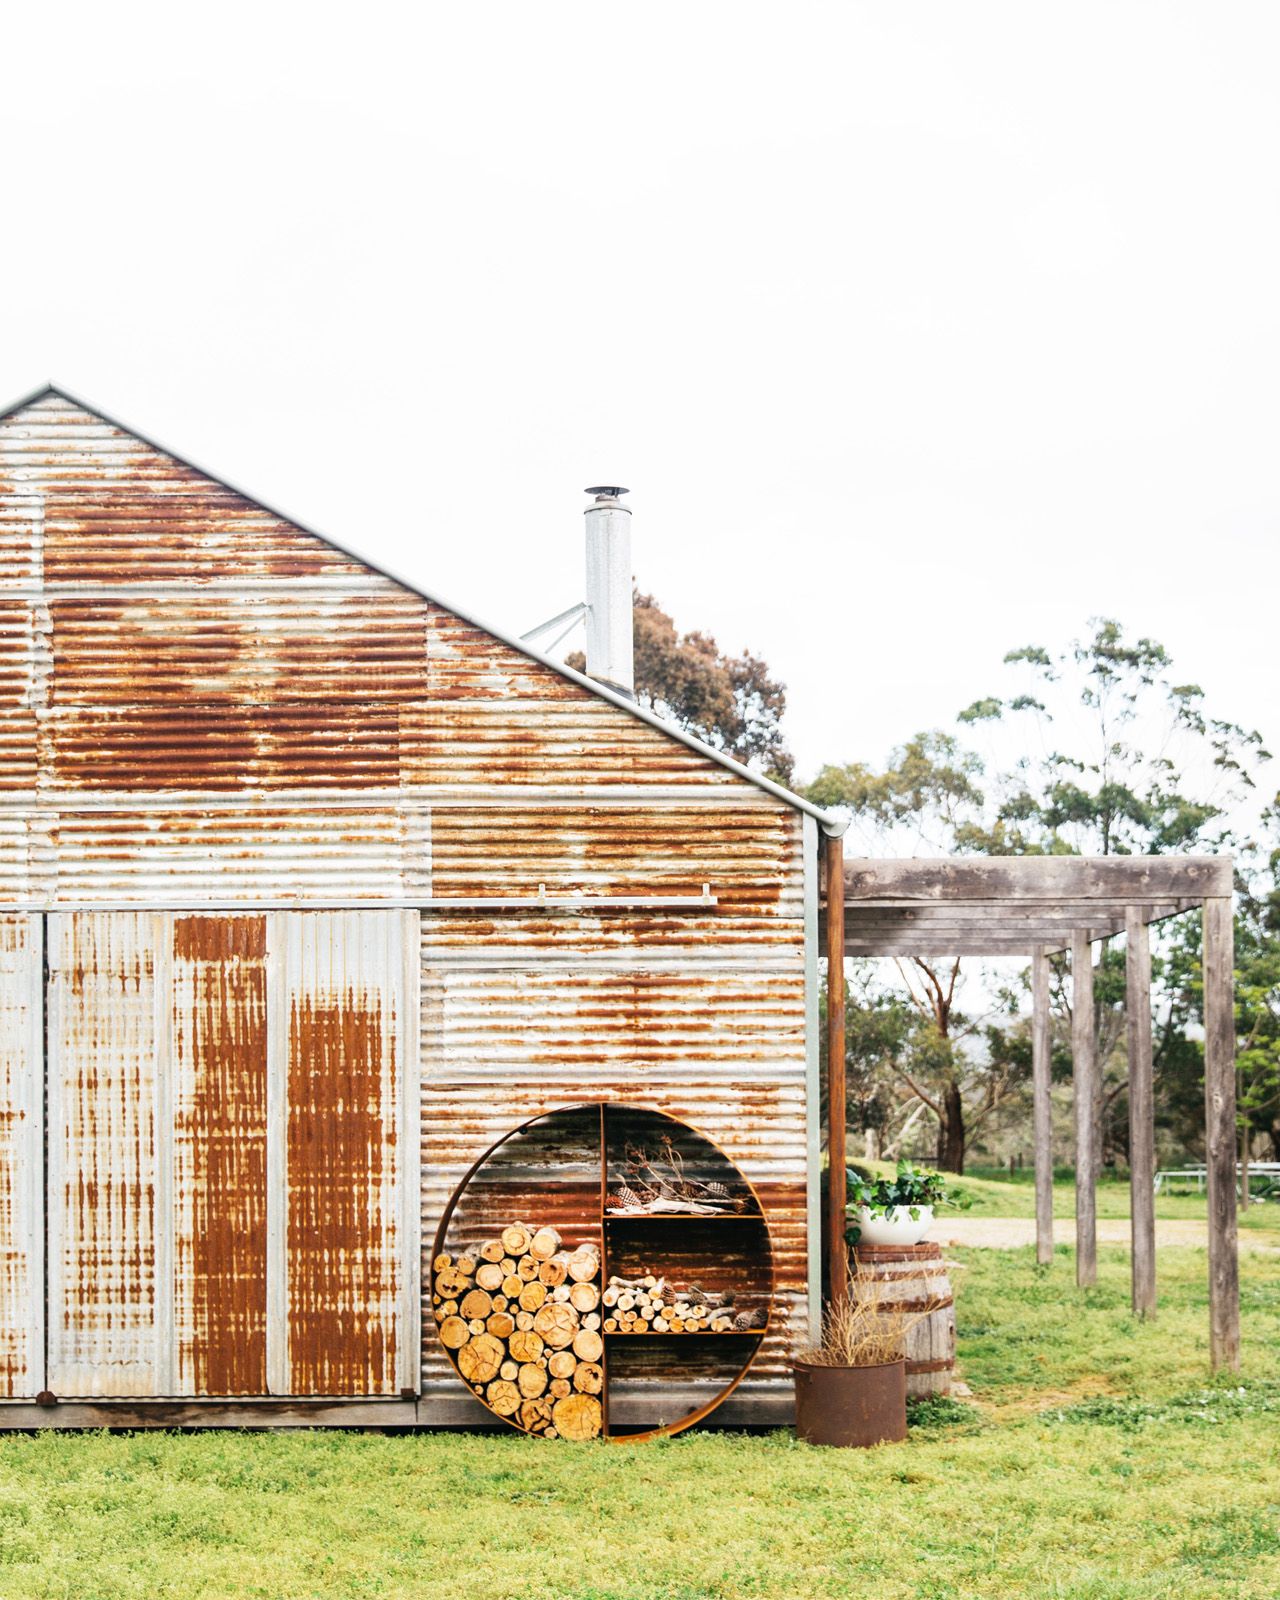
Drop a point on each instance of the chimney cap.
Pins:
(603, 491)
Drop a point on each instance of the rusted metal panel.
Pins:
(104, 1042)
(114, 509)
(747, 854)
(218, 649)
(577, 741)
(466, 663)
(21, 1157)
(186, 855)
(219, 1017)
(347, 1026)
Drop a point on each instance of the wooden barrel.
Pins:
(915, 1276)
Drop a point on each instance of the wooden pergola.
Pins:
(1035, 907)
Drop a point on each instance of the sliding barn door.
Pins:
(232, 1153)
(341, 991)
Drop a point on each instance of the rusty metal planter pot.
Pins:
(851, 1406)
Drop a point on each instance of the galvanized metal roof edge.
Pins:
(831, 823)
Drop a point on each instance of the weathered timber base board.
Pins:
(772, 1408)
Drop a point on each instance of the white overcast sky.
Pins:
(918, 331)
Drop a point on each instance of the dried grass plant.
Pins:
(870, 1326)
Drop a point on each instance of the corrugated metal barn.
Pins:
(311, 888)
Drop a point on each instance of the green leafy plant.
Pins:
(909, 1189)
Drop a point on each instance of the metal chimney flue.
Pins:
(610, 649)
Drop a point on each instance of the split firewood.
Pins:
(516, 1239)
(480, 1358)
(584, 1297)
(584, 1263)
(588, 1377)
(532, 1380)
(557, 1324)
(577, 1416)
(503, 1396)
(535, 1415)
(454, 1333)
(524, 1327)
(525, 1345)
(560, 1363)
(588, 1346)
(475, 1304)
(544, 1244)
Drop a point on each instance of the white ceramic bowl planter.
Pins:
(895, 1226)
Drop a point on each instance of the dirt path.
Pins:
(1009, 1233)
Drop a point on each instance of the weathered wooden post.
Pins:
(837, 1254)
(1042, 1109)
(1084, 1083)
(1142, 1113)
(1220, 1132)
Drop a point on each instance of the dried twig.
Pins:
(870, 1326)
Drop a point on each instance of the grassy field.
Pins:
(1096, 1463)
(1002, 1195)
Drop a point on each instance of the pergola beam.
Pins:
(1119, 880)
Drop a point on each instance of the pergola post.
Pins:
(837, 1253)
(1220, 1132)
(1142, 1114)
(1084, 1082)
(1042, 1123)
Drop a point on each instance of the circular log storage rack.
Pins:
(563, 1170)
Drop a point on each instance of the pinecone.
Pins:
(748, 1321)
(625, 1198)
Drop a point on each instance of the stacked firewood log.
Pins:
(650, 1304)
(521, 1318)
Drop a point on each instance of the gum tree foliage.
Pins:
(1095, 749)
(732, 703)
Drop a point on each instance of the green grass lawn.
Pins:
(1005, 1195)
(1096, 1464)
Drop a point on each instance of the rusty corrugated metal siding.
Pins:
(21, 1157)
(202, 705)
(219, 1015)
